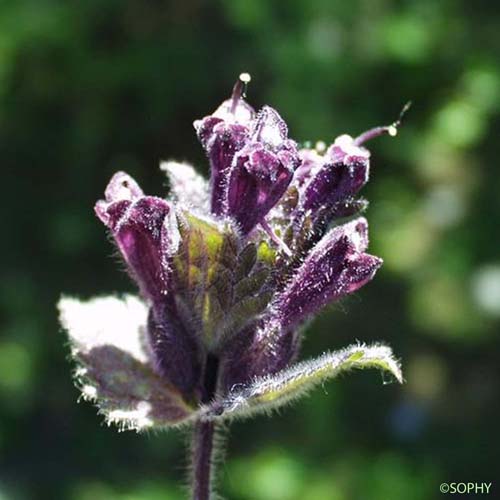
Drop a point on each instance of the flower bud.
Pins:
(342, 173)
(222, 135)
(261, 171)
(336, 266)
(145, 231)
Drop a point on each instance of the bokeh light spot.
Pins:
(486, 289)
(15, 366)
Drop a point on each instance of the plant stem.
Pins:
(202, 450)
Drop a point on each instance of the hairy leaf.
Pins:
(273, 391)
(246, 261)
(202, 273)
(114, 369)
(186, 185)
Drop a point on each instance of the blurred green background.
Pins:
(91, 86)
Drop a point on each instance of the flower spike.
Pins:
(228, 272)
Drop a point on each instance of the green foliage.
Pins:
(272, 392)
(221, 287)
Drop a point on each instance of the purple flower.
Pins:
(222, 135)
(338, 175)
(252, 160)
(228, 272)
(261, 171)
(335, 267)
(144, 229)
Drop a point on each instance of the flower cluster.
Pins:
(229, 272)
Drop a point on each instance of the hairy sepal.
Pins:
(114, 368)
(268, 393)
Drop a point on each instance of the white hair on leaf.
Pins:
(105, 321)
(271, 392)
(187, 186)
(114, 369)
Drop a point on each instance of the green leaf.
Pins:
(246, 261)
(114, 369)
(203, 270)
(244, 312)
(271, 392)
(266, 254)
(251, 284)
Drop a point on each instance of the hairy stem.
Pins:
(202, 450)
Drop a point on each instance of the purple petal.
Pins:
(222, 134)
(232, 111)
(261, 171)
(258, 180)
(221, 143)
(345, 150)
(343, 173)
(336, 267)
(310, 161)
(269, 128)
(145, 231)
(142, 237)
(121, 188)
